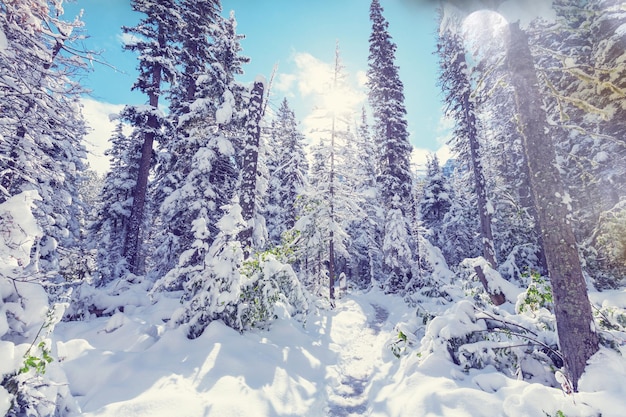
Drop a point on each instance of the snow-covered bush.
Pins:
(267, 281)
(220, 284)
(474, 338)
(30, 382)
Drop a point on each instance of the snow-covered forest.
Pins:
(230, 263)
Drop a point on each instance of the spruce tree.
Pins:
(394, 182)
(462, 108)
(155, 45)
(288, 173)
(111, 224)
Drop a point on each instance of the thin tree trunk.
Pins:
(132, 245)
(577, 337)
(486, 233)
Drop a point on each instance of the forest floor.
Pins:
(338, 363)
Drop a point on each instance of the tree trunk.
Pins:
(486, 232)
(577, 337)
(132, 245)
(250, 159)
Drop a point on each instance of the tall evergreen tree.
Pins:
(365, 262)
(288, 173)
(193, 126)
(436, 199)
(248, 198)
(386, 98)
(155, 44)
(111, 224)
(330, 203)
(199, 171)
(461, 107)
(41, 124)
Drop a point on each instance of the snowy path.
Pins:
(358, 343)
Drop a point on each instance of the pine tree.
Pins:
(111, 224)
(288, 171)
(585, 101)
(436, 199)
(157, 56)
(198, 170)
(330, 204)
(192, 111)
(250, 168)
(365, 263)
(41, 162)
(41, 132)
(390, 131)
(461, 107)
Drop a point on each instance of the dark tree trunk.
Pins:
(132, 245)
(250, 158)
(577, 337)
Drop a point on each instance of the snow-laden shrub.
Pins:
(31, 383)
(432, 276)
(474, 338)
(220, 284)
(267, 281)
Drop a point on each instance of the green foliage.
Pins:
(559, 413)
(538, 295)
(399, 345)
(37, 362)
(268, 279)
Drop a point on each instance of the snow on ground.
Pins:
(337, 364)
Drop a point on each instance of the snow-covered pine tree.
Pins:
(287, 174)
(193, 126)
(198, 170)
(111, 224)
(517, 245)
(41, 125)
(460, 106)
(460, 238)
(248, 198)
(365, 262)
(435, 201)
(154, 41)
(585, 103)
(394, 182)
(41, 158)
(330, 203)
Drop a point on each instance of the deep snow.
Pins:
(338, 363)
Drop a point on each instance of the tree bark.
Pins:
(576, 331)
(132, 245)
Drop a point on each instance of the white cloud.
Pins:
(444, 129)
(127, 38)
(419, 157)
(284, 83)
(314, 76)
(101, 127)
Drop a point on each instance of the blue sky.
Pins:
(297, 35)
